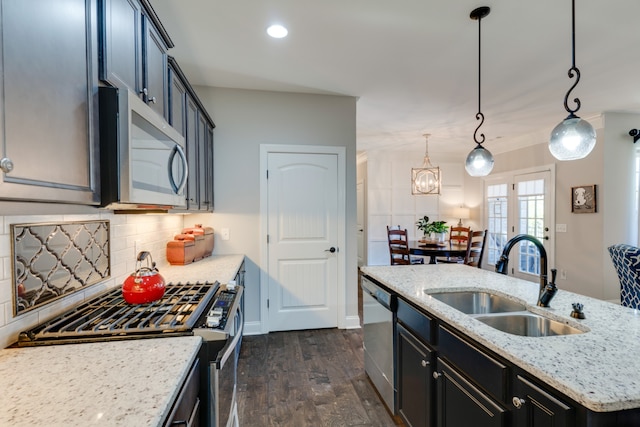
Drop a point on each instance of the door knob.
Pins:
(331, 249)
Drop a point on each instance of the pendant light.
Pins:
(480, 160)
(573, 138)
(425, 180)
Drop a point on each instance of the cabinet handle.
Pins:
(424, 363)
(518, 402)
(145, 96)
(436, 375)
(6, 165)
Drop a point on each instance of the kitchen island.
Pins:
(599, 368)
(132, 382)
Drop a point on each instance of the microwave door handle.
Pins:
(179, 187)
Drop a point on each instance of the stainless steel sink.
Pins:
(472, 302)
(528, 325)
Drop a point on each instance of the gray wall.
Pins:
(244, 120)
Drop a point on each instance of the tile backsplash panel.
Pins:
(129, 234)
(54, 260)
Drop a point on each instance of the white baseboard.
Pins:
(352, 322)
(255, 328)
(252, 328)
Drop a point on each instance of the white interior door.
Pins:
(302, 227)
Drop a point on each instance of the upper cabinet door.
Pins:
(48, 101)
(155, 69)
(177, 101)
(121, 44)
(134, 51)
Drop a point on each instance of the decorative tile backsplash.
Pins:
(53, 260)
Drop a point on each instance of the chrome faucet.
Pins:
(547, 290)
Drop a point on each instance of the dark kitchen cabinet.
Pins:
(186, 408)
(205, 164)
(470, 382)
(177, 99)
(415, 379)
(536, 407)
(415, 365)
(189, 117)
(461, 403)
(48, 101)
(133, 50)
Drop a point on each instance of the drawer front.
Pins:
(486, 371)
(417, 322)
(185, 410)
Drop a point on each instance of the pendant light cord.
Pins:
(573, 71)
(479, 115)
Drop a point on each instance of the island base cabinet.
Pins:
(415, 380)
(460, 403)
(536, 407)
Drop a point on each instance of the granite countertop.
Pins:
(599, 369)
(116, 383)
(218, 267)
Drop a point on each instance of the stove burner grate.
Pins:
(109, 316)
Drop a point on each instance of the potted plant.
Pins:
(434, 230)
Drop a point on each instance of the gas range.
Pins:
(185, 309)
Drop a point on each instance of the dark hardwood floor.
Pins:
(307, 378)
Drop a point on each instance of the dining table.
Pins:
(437, 250)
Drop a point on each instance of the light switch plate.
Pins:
(561, 228)
(224, 233)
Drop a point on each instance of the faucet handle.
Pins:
(554, 272)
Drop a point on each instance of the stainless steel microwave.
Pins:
(143, 164)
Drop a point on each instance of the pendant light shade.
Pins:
(480, 160)
(573, 138)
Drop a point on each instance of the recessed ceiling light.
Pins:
(277, 31)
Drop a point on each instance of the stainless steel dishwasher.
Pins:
(378, 306)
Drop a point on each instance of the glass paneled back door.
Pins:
(520, 203)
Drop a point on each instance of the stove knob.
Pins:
(213, 321)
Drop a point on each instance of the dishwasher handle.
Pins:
(383, 297)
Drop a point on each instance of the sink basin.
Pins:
(471, 302)
(528, 325)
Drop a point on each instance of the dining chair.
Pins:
(626, 260)
(399, 247)
(457, 236)
(475, 248)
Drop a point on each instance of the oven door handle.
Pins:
(230, 348)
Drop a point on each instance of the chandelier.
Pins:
(425, 180)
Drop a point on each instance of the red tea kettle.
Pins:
(146, 284)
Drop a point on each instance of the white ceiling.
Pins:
(414, 64)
